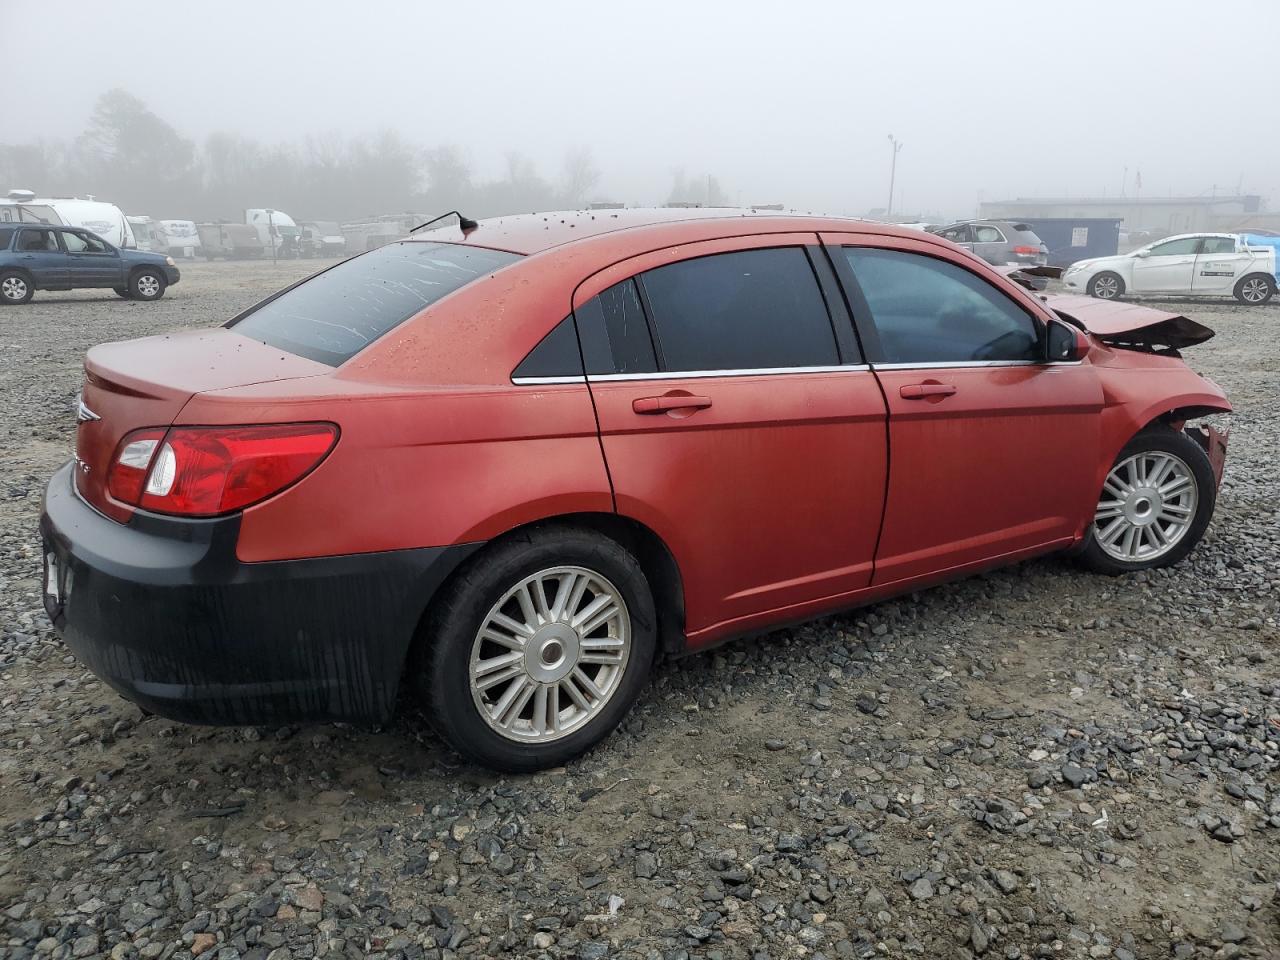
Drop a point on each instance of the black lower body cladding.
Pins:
(162, 610)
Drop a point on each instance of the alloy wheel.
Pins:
(1254, 290)
(1148, 504)
(14, 288)
(1106, 288)
(550, 654)
(148, 286)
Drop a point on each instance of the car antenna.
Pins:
(464, 223)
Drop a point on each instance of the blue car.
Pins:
(40, 256)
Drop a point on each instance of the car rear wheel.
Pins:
(15, 287)
(146, 284)
(1106, 286)
(1255, 288)
(1155, 504)
(537, 649)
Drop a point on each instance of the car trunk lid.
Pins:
(145, 383)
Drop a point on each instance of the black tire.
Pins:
(1111, 287)
(146, 284)
(15, 287)
(1161, 439)
(1254, 289)
(440, 664)
(121, 292)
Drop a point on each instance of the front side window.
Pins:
(1176, 248)
(336, 314)
(751, 309)
(927, 310)
(82, 243)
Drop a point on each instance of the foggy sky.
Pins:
(782, 102)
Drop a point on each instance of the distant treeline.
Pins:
(130, 156)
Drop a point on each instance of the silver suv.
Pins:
(997, 241)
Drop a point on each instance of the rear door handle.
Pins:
(919, 391)
(668, 402)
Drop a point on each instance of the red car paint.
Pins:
(779, 499)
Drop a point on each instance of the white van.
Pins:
(105, 219)
(177, 238)
(276, 229)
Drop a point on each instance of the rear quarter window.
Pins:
(334, 315)
(6, 236)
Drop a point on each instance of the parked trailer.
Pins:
(105, 219)
(232, 241)
(373, 232)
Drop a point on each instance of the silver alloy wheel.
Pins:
(550, 654)
(1254, 290)
(14, 288)
(1148, 504)
(1106, 288)
(148, 286)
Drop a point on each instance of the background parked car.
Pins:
(322, 238)
(998, 242)
(44, 257)
(1191, 265)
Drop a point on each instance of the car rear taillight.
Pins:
(205, 471)
(1027, 251)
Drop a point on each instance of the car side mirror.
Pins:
(1067, 344)
(1143, 253)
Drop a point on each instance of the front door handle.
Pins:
(921, 391)
(669, 402)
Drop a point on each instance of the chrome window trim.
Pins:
(942, 364)
(692, 374)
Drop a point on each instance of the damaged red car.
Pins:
(506, 465)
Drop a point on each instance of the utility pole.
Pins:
(895, 145)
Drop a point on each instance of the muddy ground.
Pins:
(1034, 763)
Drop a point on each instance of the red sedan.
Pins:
(513, 462)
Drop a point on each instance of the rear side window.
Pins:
(927, 310)
(615, 335)
(556, 355)
(983, 233)
(336, 314)
(751, 309)
(1216, 245)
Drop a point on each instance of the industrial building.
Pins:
(1166, 215)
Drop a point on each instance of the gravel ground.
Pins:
(1033, 763)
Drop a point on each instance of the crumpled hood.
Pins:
(1128, 324)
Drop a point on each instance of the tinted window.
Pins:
(1219, 245)
(6, 234)
(38, 241)
(615, 335)
(1175, 248)
(958, 234)
(738, 311)
(931, 311)
(555, 356)
(336, 314)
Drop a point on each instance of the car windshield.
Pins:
(336, 314)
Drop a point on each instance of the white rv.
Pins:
(144, 234)
(177, 238)
(276, 229)
(105, 219)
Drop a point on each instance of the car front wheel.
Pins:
(537, 649)
(1255, 288)
(1106, 286)
(146, 285)
(1155, 504)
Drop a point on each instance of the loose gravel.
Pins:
(1033, 763)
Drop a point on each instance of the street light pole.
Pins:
(895, 145)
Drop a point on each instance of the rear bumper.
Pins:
(161, 610)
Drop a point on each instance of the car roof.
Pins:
(535, 232)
